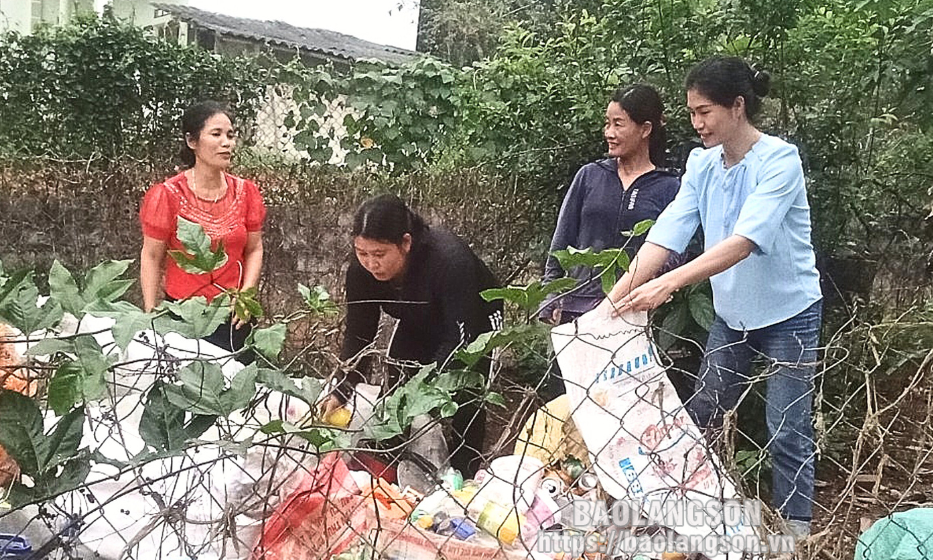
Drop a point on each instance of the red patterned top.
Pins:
(229, 218)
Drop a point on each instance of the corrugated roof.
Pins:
(330, 43)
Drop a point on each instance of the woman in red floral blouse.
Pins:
(230, 209)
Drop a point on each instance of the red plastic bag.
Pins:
(323, 517)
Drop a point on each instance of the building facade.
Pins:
(25, 16)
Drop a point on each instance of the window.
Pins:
(36, 13)
(159, 12)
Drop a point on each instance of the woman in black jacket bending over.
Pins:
(430, 280)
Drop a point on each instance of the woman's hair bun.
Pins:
(761, 82)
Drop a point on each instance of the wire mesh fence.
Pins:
(276, 125)
(249, 487)
(620, 436)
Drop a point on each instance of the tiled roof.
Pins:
(323, 41)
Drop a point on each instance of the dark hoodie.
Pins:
(594, 214)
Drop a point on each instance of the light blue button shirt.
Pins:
(762, 198)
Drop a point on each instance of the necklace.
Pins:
(220, 192)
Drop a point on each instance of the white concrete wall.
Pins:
(16, 15)
(271, 133)
(141, 13)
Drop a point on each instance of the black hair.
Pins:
(722, 79)
(192, 123)
(386, 218)
(643, 104)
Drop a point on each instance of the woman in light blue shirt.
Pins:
(746, 189)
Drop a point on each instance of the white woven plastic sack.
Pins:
(208, 502)
(644, 446)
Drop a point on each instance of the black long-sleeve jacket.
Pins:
(437, 302)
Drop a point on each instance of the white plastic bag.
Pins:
(644, 446)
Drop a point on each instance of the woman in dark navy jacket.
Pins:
(610, 196)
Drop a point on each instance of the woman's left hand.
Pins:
(235, 321)
(646, 297)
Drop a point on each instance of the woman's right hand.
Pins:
(328, 405)
(550, 316)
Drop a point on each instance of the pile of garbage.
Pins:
(619, 433)
(353, 515)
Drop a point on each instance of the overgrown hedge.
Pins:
(100, 88)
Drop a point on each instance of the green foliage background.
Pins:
(522, 92)
(98, 88)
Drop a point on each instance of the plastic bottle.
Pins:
(430, 505)
(542, 514)
(512, 480)
(451, 479)
(500, 521)
(461, 528)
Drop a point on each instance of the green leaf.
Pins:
(622, 261)
(128, 319)
(317, 299)
(101, 459)
(269, 341)
(65, 438)
(606, 262)
(19, 305)
(198, 424)
(673, 325)
(486, 342)
(457, 380)
(476, 350)
(72, 475)
(21, 432)
(514, 294)
(276, 380)
(607, 279)
(701, 309)
(64, 289)
(197, 258)
(101, 282)
(277, 427)
(65, 387)
(242, 389)
(162, 424)
(127, 325)
(559, 286)
(198, 318)
(201, 386)
(449, 409)
(572, 257)
(95, 366)
(50, 346)
(642, 227)
(495, 398)
(396, 412)
(529, 297)
(112, 309)
(245, 306)
(81, 380)
(324, 439)
(101, 286)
